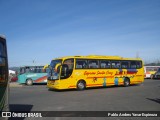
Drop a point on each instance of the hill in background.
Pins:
(14, 68)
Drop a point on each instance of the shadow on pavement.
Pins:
(19, 108)
(157, 100)
(92, 88)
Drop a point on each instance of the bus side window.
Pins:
(133, 64)
(124, 64)
(139, 64)
(93, 64)
(84, 65)
(37, 70)
(116, 64)
(70, 63)
(78, 66)
(41, 69)
(105, 64)
(22, 70)
(27, 69)
(81, 64)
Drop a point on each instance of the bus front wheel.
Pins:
(81, 85)
(29, 82)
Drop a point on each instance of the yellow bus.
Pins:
(82, 72)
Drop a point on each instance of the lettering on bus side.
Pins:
(89, 73)
(33, 75)
(98, 73)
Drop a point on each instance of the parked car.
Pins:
(14, 79)
(156, 75)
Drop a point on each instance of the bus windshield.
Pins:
(52, 73)
(55, 62)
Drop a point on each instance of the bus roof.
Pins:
(99, 57)
(32, 66)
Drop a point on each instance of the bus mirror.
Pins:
(45, 67)
(57, 67)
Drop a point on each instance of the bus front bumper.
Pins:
(53, 84)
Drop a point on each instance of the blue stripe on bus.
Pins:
(116, 81)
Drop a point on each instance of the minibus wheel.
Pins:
(29, 82)
(81, 85)
(126, 82)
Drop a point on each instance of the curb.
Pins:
(14, 84)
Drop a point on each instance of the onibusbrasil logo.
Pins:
(23, 114)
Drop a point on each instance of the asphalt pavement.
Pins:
(143, 97)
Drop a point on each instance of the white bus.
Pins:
(150, 71)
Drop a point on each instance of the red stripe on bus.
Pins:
(94, 84)
(41, 79)
(101, 77)
(120, 82)
(147, 72)
(109, 83)
(72, 86)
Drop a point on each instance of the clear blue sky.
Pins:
(41, 30)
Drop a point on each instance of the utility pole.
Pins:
(33, 62)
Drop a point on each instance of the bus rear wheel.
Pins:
(81, 85)
(29, 82)
(126, 82)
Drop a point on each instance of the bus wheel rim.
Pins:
(80, 85)
(29, 82)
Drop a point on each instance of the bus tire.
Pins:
(152, 76)
(29, 82)
(126, 82)
(81, 85)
